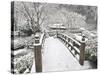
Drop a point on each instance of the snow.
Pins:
(33, 67)
(56, 57)
(79, 37)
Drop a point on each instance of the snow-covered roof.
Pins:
(57, 26)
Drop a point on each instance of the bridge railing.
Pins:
(76, 48)
(39, 41)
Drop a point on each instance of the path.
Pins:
(56, 57)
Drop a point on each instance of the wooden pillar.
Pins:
(38, 55)
(68, 41)
(57, 34)
(38, 58)
(82, 51)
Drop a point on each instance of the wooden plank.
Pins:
(77, 50)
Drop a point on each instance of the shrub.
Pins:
(17, 44)
(91, 49)
(23, 63)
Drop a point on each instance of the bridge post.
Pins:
(38, 56)
(57, 34)
(82, 51)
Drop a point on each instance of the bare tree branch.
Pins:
(22, 12)
(26, 9)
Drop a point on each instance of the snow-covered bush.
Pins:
(22, 42)
(23, 63)
(17, 44)
(73, 19)
(91, 49)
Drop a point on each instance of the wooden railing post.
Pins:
(82, 51)
(38, 55)
(57, 34)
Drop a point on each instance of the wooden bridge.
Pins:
(59, 54)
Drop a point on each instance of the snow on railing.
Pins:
(39, 39)
(75, 47)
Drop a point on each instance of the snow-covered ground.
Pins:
(56, 57)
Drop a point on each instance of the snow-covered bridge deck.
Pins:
(56, 57)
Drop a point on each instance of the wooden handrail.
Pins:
(73, 45)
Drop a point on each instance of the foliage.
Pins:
(17, 44)
(89, 11)
(91, 47)
(30, 12)
(73, 19)
(24, 62)
(22, 42)
(39, 14)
